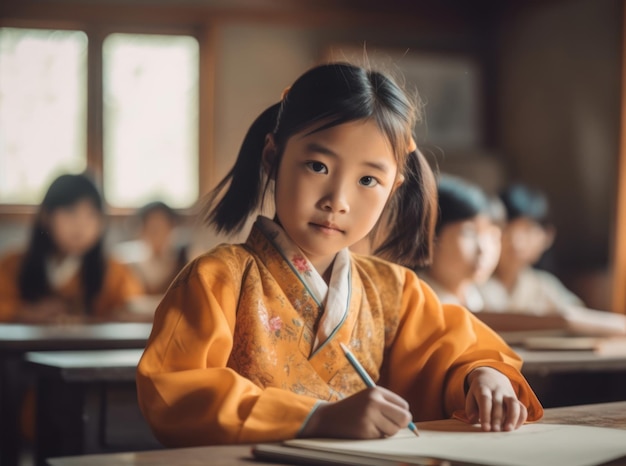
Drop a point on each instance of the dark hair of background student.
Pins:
(327, 96)
(173, 217)
(459, 200)
(64, 191)
(521, 200)
(158, 206)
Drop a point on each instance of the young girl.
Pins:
(156, 256)
(467, 243)
(245, 345)
(64, 275)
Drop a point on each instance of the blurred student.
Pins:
(517, 287)
(467, 243)
(64, 274)
(156, 256)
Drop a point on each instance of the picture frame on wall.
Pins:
(448, 87)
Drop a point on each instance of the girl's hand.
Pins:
(371, 413)
(492, 401)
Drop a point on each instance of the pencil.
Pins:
(367, 379)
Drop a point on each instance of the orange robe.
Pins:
(119, 285)
(229, 358)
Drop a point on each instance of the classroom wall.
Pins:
(558, 123)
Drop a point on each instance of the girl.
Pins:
(157, 256)
(245, 343)
(467, 243)
(64, 274)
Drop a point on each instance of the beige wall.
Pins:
(558, 113)
(559, 104)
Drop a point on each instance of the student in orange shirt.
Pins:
(64, 274)
(245, 345)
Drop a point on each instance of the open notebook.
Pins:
(451, 440)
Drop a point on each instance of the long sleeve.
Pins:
(436, 347)
(186, 391)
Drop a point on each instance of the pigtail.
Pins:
(240, 193)
(32, 280)
(411, 216)
(92, 275)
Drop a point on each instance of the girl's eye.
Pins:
(317, 167)
(368, 181)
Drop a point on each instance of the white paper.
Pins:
(531, 445)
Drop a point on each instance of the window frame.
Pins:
(97, 30)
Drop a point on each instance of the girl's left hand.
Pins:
(492, 401)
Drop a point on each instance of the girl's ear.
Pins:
(268, 158)
(397, 183)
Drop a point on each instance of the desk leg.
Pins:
(68, 419)
(11, 397)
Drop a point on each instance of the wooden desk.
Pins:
(17, 339)
(73, 381)
(552, 362)
(566, 378)
(600, 415)
(22, 338)
(74, 412)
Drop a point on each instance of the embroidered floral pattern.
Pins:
(301, 264)
(276, 325)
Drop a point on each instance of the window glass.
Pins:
(43, 108)
(150, 119)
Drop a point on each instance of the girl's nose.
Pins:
(336, 201)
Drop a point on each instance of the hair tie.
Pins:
(412, 145)
(283, 95)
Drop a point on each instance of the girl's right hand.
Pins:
(371, 413)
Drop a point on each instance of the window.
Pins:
(43, 110)
(146, 98)
(150, 119)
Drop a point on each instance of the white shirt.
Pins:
(535, 292)
(472, 298)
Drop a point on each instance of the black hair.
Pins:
(182, 251)
(157, 206)
(64, 191)
(521, 200)
(459, 200)
(323, 97)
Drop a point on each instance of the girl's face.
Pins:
(332, 186)
(468, 249)
(76, 228)
(524, 241)
(157, 231)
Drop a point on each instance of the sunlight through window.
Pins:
(150, 119)
(43, 108)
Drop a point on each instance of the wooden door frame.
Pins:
(619, 258)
